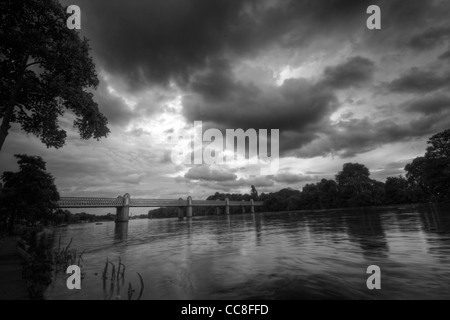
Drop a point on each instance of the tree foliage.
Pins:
(356, 188)
(431, 173)
(45, 69)
(30, 193)
(439, 146)
(397, 190)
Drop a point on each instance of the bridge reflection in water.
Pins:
(271, 256)
(124, 203)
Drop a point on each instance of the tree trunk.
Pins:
(6, 123)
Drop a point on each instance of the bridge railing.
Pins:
(157, 202)
(68, 202)
(208, 203)
(88, 202)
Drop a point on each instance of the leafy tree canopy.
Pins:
(351, 174)
(439, 146)
(45, 68)
(431, 173)
(29, 193)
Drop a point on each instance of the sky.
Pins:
(336, 91)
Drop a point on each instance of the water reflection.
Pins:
(257, 221)
(321, 255)
(436, 224)
(436, 218)
(121, 231)
(189, 228)
(365, 228)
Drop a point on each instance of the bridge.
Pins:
(124, 203)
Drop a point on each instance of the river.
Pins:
(297, 255)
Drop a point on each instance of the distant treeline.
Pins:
(427, 180)
(67, 217)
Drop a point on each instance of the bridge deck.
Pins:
(86, 202)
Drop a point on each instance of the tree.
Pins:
(45, 68)
(310, 197)
(328, 194)
(415, 172)
(431, 173)
(378, 193)
(437, 169)
(396, 190)
(285, 199)
(355, 185)
(439, 146)
(30, 193)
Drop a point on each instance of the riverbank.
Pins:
(12, 285)
(397, 208)
(393, 207)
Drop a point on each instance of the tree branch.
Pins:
(4, 128)
(33, 63)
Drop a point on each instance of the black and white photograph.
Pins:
(224, 154)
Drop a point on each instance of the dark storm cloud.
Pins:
(419, 81)
(207, 173)
(350, 138)
(198, 43)
(430, 104)
(430, 38)
(220, 98)
(445, 56)
(291, 140)
(299, 108)
(114, 108)
(291, 178)
(405, 25)
(354, 72)
(154, 42)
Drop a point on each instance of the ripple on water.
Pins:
(270, 256)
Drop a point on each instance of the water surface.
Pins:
(321, 255)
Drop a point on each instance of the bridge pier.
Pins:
(243, 207)
(121, 231)
(227, 206)
(123, 213)
(218, 208)
(189, 207)
(180, 212)
(252, 206)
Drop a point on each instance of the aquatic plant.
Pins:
(63, 257)
(117, 281)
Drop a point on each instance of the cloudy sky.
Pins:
(337, 91)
